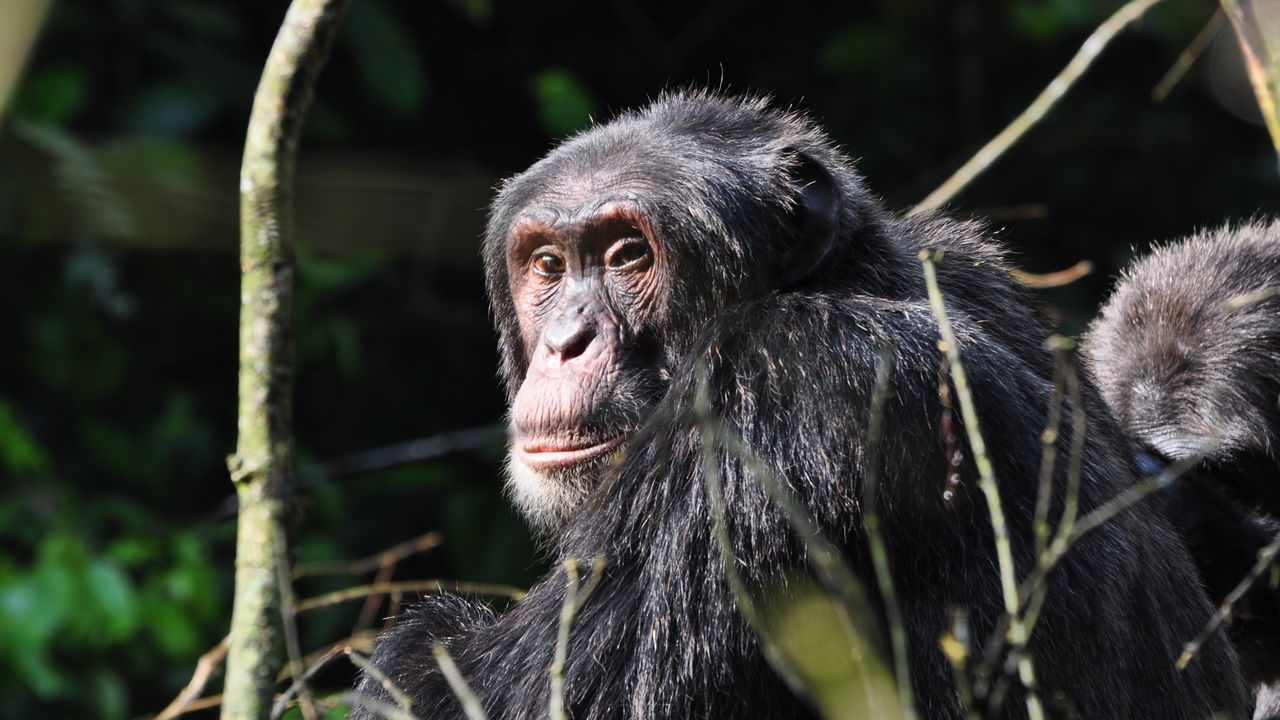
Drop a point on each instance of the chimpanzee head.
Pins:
(606, 258)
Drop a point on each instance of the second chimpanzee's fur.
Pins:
(1187, 352)
(792, 359)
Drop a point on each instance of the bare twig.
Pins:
(1256, 24)
(1075, 460)
(575, 594)
(986, 472)
(1266, 559)
(728, 560)
(205, 667)
(405, 453)
(956, 646)
(385, 709)
(875, 539)
(823, 556)
(369, 612)
(986, 479)
(1102, 514)
(1058, 278)
(1049, 451)
(1023, 624)
(362, 591)
(288, 613)
(1038, 108)
(1188, 57)
(1242, 301)
(402, 699)
(471, 706)
(204, 703)
(393, 554)
(264, 447)
(300, 681)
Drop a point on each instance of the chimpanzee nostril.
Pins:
(569, 337)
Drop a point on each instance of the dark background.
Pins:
(119, 278)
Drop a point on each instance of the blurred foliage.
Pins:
(118, 167)
(835, 663)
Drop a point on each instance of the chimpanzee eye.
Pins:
(546, 263)
(627, 253)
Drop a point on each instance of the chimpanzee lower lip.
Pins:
(547, 455)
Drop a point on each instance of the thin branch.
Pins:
(1058, 278)
(1188, 57)
(1266, 558)
(1023, 624)
(400, 454)
(393, 554)
(575, 595)
(1039, 107)
(822, 555)
(362, 591)
(1102, 514)
(1049, 450)
(369, 612)
(263, 460)
(383, 708)
(204, 703)
(1075, 459)
(288, 614)
(205, 668)
(986, 478)
(300, 681)
(714, 490)
(1261, 62)
(986, 471)
(402, 699)
(956, 647)
(875, 538)
(1242, 301)
(471, 706)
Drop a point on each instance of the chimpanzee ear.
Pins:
(815, 218)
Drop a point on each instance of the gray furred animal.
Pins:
(1187, 354)
(715, 232)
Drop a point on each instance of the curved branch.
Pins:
(264, 449)
(1038, 108)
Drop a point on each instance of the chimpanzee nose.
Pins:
(569, 335)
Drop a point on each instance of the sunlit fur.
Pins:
(1191, 369)
(547, 499)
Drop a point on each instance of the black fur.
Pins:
(792, 363)
(1187, 378)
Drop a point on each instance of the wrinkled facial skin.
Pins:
(586, 276)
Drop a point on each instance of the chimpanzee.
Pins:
(720, 243)
(1187, 352)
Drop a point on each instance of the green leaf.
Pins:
(108, 694)
(838, 668)
(53, 95)
(564, 105)
(19, 451)
(171, 629)
(173, 110)
(389, 64)
(479, 12)
(114, 600)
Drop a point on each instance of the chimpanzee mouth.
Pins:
(546, 454)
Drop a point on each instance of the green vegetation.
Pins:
(119, 153)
